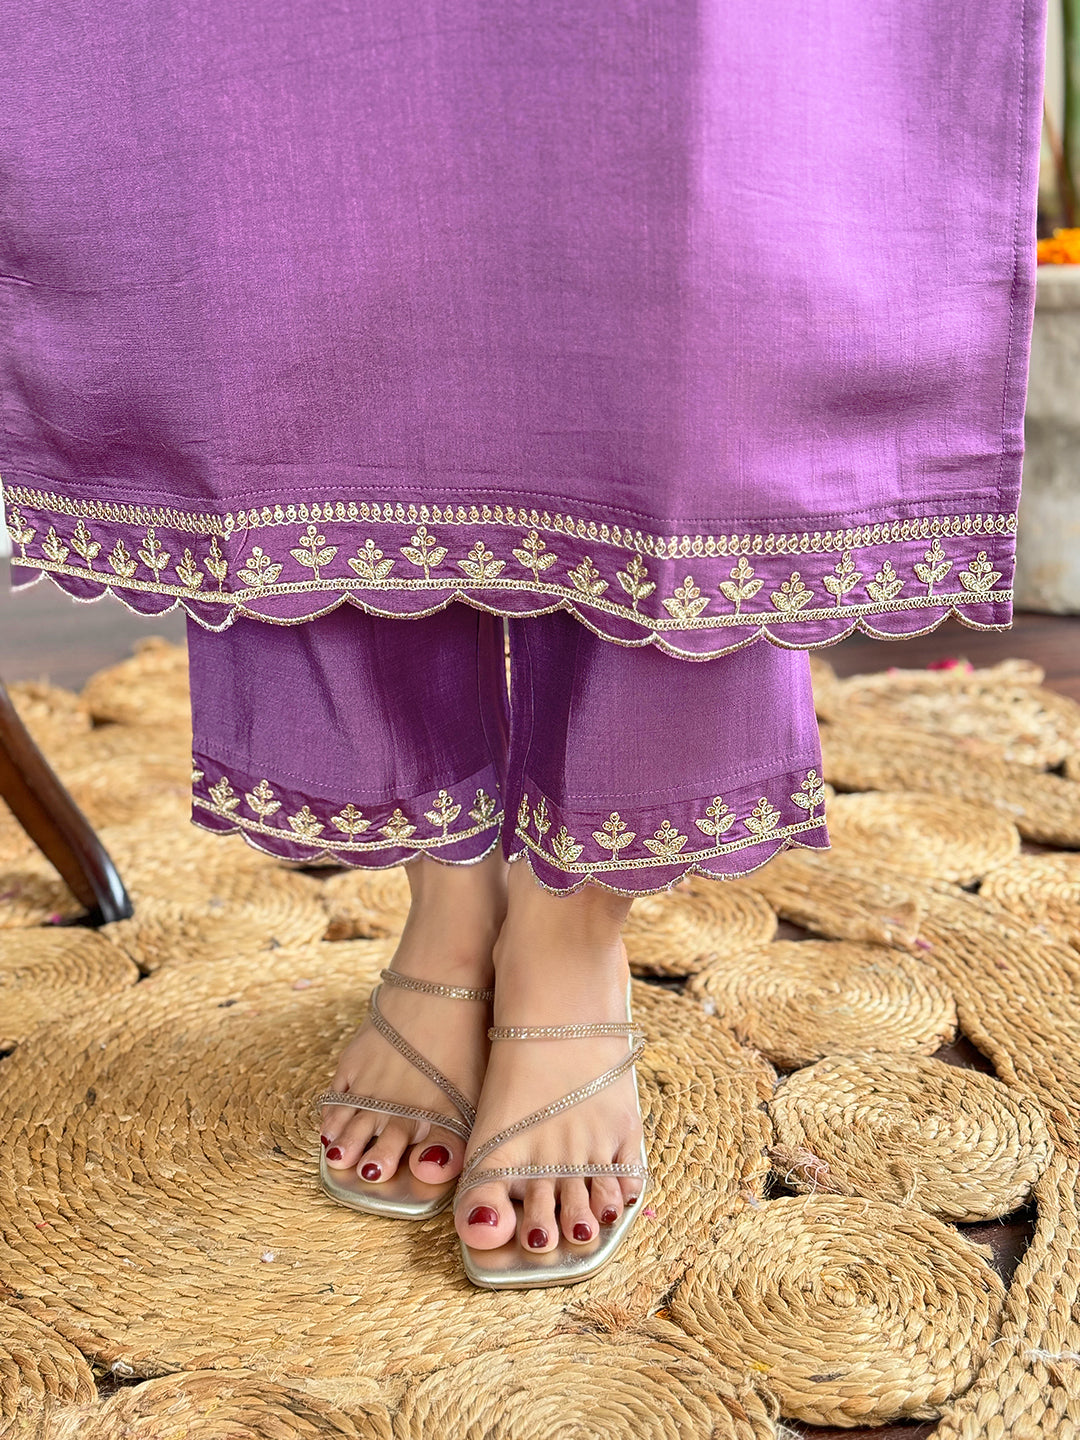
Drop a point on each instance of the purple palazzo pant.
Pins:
(370, 741)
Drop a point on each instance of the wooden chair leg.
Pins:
(55, 823)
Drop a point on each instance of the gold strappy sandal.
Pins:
(403, 1195)
(512, 1266)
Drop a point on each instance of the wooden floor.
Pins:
(45, 635)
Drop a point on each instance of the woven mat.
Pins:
(161, 1224)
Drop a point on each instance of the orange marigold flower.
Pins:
(1061, 248)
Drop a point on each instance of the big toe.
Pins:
(485, 1217)
(438, 1159)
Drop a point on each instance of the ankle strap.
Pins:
(428, 987)
(562, 1032)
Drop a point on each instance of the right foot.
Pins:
(448, 939)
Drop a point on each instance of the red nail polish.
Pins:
(609, 1216)
(483, 1215)
(435, 1155)
(582, 1232)
(324, 1140)
(537, 1239)
(334, 1153)
(633, 1200)
(370, 1171)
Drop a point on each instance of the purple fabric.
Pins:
(369, 741)
(701, 320)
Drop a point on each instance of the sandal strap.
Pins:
(460, 1102)
(558, 1172)
(391, 1107)
(566, 1102)
(428, 987)
(564, 1032)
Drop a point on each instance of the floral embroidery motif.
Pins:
(255, 810)
(668, 844)
(185, 555)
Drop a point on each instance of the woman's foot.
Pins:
(448, 938)
(559, 961)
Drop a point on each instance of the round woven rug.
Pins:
(797, 1001)
(882, 755)
(912, 1130)
(163, 1144)
(656, 1384)
(149, 689)
(37, 1366)
(1043, 890)
(214, 1405)
(54, 717)
(50, 974)
(930, 835)
(366, 904)
(32, 893)
(704, 922)
(853, 1311)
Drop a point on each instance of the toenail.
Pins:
(537, 1239)
(483, 1215)
(633, 1200)
(324, 1140)
(435, 1155)
(582, 1232)
(334, 1153)
(370, 1171)
(609, 1216)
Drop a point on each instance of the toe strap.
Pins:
(391, 1107)
(550, 1172)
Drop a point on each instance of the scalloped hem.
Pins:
(972, 617)
(328, 858)
(635, 892)
(694, 596)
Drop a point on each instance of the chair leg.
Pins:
(55, 823)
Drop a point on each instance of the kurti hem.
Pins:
(694, 596)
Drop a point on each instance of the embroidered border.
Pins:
(668, 845)
(409, 559)
(338, 834)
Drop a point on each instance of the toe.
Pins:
(576, 1219)
(485, 1217)
(438, 1157)
(382, 1157)
(539, 1230)
(348, 1141)
(605, 1199)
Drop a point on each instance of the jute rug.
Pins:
(170, 1268)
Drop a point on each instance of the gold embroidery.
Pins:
(424, 551)
(443, 811)
(259, 571)
(586, 580)
(534, 555)
(304, 824)
(886, 584)
(540, 818)
(688, 601)
(633, 580)
(153, 556)
(261, 799)
(307, 828)
(121, 561)
(614, 834)
(480, 564)
(980, 576)
(216, 562)
(369, 563)
(54, 548)
(843, 579)
(791, 596)
(84, 544)
(190, 574)
(313, 552)
(21, 533)
(668, 844)
(741, 586)
(350, 821)
(936, 567)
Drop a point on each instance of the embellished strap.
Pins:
(420, 1062)
(428, 987)
(473, 1175)
(563, 1032)
(391, 1107)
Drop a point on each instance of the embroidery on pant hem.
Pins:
(668, 845)
(304, 827)
(207, 559)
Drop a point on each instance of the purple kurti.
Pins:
(701, 320)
